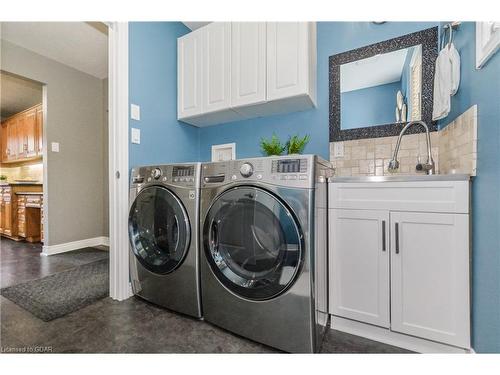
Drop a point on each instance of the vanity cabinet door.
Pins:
(359, 265)
(189, 74)
(248, 63)
(430, 276)
(217, 67)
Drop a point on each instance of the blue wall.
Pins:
(164, 139)
(153, 86)
(482, 87)
(374, 105)
(332, 38)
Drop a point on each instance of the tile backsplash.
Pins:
(27, 171)
(453, 150)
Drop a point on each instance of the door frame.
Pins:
(119, 282)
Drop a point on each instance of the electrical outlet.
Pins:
(338, 149)
(54, 146)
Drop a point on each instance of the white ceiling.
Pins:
(195, 25)
(373, 71)
(76, 44)
(17, 94)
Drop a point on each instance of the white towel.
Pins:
(446, 81)
(455, 69)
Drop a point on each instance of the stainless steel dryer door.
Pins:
(159, 230)
(252, 243)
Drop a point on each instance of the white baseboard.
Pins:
(69, 246)
(389, 337)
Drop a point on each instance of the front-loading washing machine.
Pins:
(264, 244)
(163, 232)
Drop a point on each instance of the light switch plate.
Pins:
(338, 149)
(54, 146)
(224, 152)
(135, 135)
(135, 112)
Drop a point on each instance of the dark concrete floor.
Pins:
(131, 326)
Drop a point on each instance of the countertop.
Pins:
(401, 178)
(29, 192)
(21, 183)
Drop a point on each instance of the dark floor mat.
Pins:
(62, 293)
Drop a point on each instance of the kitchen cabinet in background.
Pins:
(22, 136)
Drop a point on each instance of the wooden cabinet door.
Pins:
(359, 265)
(287, 59)
(30, 130)
(189, 74)
(430, 276)
(3, 144)
(39, 131)
(216, 67)
(7, 217)
(21, 136)
(248, 63)
(12, 139)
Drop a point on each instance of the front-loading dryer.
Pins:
(163, 232)
(264, 245)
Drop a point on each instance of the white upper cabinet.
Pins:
(189, 74)
(291, 60)
(248, 63)
(226, 72)
(217, 67)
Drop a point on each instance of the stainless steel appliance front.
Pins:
(163, 233)
(260, 272)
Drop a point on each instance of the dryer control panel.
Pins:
(183, 175)
(290, 171)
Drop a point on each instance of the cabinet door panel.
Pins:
(189, 74)
(30, 133)
(248, 63)
(21, 136)
(4, 143)
(217, 69)
(12, 139)
(430, 276)
(359, 265)
(287, 59)
(39, 130)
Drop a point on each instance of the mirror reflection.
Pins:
(382, 89)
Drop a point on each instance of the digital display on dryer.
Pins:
(291, 166)
(179, 171)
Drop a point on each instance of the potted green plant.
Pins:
(3, 178)
(296, 144)
(272, 146)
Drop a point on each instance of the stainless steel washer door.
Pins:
(159, 230)
(252, 243)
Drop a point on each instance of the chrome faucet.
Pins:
(429, 166)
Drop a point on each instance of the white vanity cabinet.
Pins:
(359, 265)
(399, 258)
(239, 70)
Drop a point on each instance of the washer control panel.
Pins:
(172, 174)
